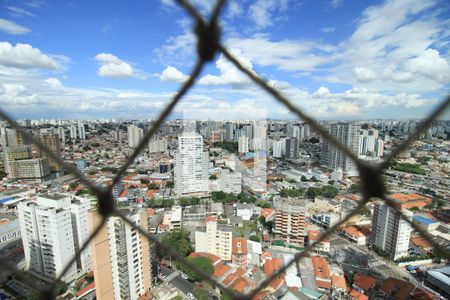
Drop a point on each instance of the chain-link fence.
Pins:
(208, 34)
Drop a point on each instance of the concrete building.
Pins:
(53, 226)
(34, 169)
(292, 148)
(290, 221)
(9, 231)
(439, 280)
(243, 144)
(230, 182)
(52, 142)
(278, 148)
(389, 231)
(81, 131)
(135, 135)
(332, 157)
(157, 145)
(191, 165)
(121, 258)
(370, 143)
(216, 239)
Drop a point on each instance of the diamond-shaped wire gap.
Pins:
(423, 233)
(423, 126)
(162, 116)
(280, 98)
(48, 151)
(179, 257)
(309, 248)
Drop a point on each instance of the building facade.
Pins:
(290, 221)
(216, 239)
(121, 258)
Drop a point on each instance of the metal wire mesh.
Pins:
(208, 45)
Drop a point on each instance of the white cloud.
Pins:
(11, 27)
(327, 29)
(24, 56)
(321, 92)
(336, 3)
(234, 9)
(263, 12)
(229, 74)
(430, 64)
(363, 74)
(113, 67)
(19, 12)
(173, 74)
(54, 82)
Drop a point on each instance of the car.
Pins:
(162, 276)
(184, 276)
(191, 296)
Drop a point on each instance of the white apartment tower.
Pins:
(216, 239)
(135, 135)
(390, 232)
(243, 144)
(121, 257)
(334, 158)
(53, 227)
(81, 132)
(191, 165)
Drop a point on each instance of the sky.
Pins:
(337, 59)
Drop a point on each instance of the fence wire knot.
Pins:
(106, 203)
(372, 184)
(208, 35)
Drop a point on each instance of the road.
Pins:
(174, 277)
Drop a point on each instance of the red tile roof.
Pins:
(364, 281)
(211, 219)
(321, 268)
(396, 288)
(272, 265)
(85, 289)
(338, 281)
(239, 246)
(221, 270)
(240, 284)
(357, 295)
(267, 212)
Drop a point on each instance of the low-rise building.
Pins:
(9, 231)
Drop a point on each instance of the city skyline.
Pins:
(355, 61)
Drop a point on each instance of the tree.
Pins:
(264, 204)
(204, 263)
(169, 184)
(262, 220)
(213, 177)
(153, 186)
(303, 178)
(330, 191)
(178, 240)
(106, 156)
(73, 186)
(145, 181)
(254, 238)
(314, 179)
(200, 294)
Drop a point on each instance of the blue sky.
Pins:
(336, 59)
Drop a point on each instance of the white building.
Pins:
(73, 132)
(216, 239)
(121, 257)
(230, 182)
(334, 158)
(135, 135)
(53, 227)
(243, 144)
(157, 145)
(191, 165)
(278, 148)
(9, 231)
(370, 144)
(389, 231)
(81, 132)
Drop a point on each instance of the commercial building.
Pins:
(121, 257)
(290, 221)
(191, 165)
(35, 169)
(390, 232)
(439, 279)
(9, 231)
(216, 239)
(331, 156)
(230, 182)
(53, 227)
(157, 145)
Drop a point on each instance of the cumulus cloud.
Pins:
(113, 67)
(321, 92)
(363, 74)
(229, 74)
(11, 27)
(430, 64)
(24, 56)
(173, 74)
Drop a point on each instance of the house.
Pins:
(321, 272)
(363, 282)
(239, 252)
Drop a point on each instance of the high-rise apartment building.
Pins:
(243, 144)
(370, 143)
(81, 131)
(334, 158)
(290, 221)
(278, 148)
(52, 142)
(53, 227)
(217, 239)
(20, 164)
(73, 132)
(135, 135)
(292, 148)
(121, 257)
(191, 165)
(390, 232)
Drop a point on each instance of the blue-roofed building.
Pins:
(425, 222)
